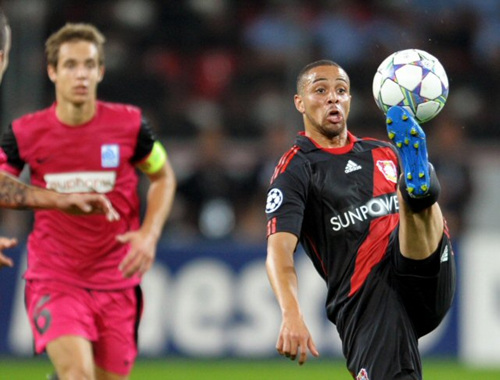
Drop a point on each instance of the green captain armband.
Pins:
(155, 161)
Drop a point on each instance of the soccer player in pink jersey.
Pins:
(82, 282)
(16, 194)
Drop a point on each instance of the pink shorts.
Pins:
(109, 319)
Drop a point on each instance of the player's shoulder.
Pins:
(373, 142)
(119, 109)
(119, 116)
(293, 162)
(370, 143)
(293, 157)
(34, 118)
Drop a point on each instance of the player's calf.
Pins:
(420, 187)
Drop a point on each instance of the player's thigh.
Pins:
(56, 309)
(102, 374)
(378, 339)
(71, 357)
(427, 287)
(116, 349)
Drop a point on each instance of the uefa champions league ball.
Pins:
(413, 79)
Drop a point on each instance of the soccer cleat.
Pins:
(410, 142)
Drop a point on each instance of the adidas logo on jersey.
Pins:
(444, 256)
(351, 166)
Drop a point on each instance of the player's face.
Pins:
(325, 101)
(77, 73)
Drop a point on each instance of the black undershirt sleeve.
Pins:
(145, 141)
(8, 143)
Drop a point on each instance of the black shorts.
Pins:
(401, 301)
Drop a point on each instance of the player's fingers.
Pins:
(294, 345)
(132, 265)
(7, 243)
(286, 346)
(312, 347)
(112, 215)
(81, 203)
(279, 345)
(145, 266)
(302, 353)
(108, 209)
(124, 238)
(6, 261)
(127, 259)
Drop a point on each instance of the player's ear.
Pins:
(299, 104)
(101, 73)
(52, 73)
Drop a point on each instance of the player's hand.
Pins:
(6, 243)
(141, 254)
(81, 204)
(294, 340)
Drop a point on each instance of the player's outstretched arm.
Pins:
(80, 204)
(294, 338)
(18, 195)
(4, 244)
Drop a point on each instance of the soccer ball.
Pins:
(413, 79)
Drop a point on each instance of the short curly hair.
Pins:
(310, 66)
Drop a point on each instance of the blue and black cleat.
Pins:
(409, 139)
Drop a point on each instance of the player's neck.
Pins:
(73, 114)
(325, 141)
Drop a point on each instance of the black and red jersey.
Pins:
(342, 204)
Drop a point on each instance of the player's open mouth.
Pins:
(334, 116)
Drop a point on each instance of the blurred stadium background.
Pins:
(216, 77)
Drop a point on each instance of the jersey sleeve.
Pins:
(286, 200)
(10, 159)
(145, 141)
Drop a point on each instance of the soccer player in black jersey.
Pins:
(16, 194)
(366, 213)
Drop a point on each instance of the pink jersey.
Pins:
(98, 156)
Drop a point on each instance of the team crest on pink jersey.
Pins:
(110, 155)
(362, 375)
(388, 169)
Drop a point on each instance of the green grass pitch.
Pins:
(186, 369)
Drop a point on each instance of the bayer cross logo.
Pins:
(274, 200)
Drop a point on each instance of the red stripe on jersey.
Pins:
(446, 229)
(315, 250)
(385, 171)
(284, 161)
(373, 249)
(271, 226)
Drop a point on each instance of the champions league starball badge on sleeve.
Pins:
(274, 200)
